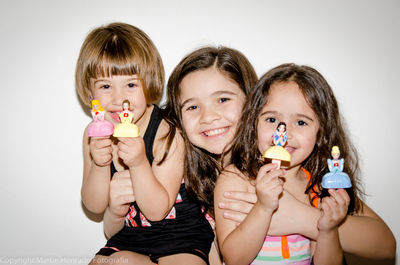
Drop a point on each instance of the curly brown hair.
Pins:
(319, 95)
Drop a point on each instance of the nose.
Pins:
(118, 97)
(289, 131)
(208, 115)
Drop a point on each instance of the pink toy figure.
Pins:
(126, 128)
(99, 127)
(277, 153)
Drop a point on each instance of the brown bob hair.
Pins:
(119, 49)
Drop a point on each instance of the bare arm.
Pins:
(364, 234)
(112, 223)
(156, 187)
(241, 244)
(121, 197)
(97, 156)
(333, 211)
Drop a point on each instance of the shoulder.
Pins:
(232, 177)
(161, 141)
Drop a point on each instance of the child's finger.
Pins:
(234, 216)
(340, 196)
(269, 172)
(343, 197)
(241, 196)
(123, 139)
(100, 143)
(265, 169)
(236, 206)
(329, 203)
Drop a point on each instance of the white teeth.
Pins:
(215, 132)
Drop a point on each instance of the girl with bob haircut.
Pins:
(119, 65)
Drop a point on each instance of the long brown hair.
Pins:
(320, 97)
(202, 167)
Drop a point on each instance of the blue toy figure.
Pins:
(336, 178)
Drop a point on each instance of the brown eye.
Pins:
(301, 123)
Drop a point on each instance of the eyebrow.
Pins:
(268, 112)
(216, 93)
(305, 116)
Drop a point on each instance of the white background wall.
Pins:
(354, 44)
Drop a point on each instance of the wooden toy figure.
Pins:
(99, 127)
(126, 128)
(278, 153)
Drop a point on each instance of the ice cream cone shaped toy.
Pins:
(126, 128)
(278, 153)
(99, 127)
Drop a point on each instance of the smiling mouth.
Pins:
(290, 149)
(215, 132)
(115, 116)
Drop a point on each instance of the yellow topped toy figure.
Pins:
(126, 128)
(278, 153)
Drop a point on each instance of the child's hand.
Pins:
(131, 150)
(269, 186)
(101, 150)
(121, 193)
(334, 209)
(240, 205)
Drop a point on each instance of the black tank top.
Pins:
(184, 230)
(149, 136)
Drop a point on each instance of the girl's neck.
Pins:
(143, 121)
(294, 174)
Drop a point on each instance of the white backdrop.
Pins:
(354, 44)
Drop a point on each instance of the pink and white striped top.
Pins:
(297, 250)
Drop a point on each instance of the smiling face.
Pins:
(286, 103)
(112, 91)
(211, 107)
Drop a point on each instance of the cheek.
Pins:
(309, 142)
(104, 101)
(264, 138)
(188, 125)
(234, 114)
